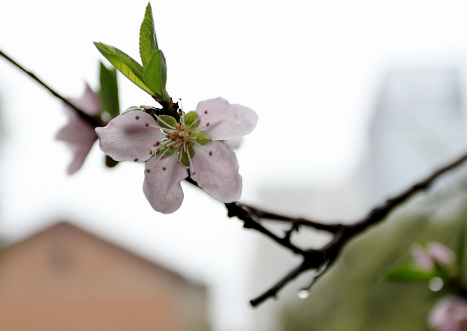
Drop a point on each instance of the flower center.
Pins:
(180, 137)
(180, 133)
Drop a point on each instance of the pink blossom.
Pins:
(441, 253)
(174, 150)
(425, 257)
(449, 314)
(79, 134)
(421, 258)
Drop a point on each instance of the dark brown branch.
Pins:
(379, 213)
(250, 221)
(298, 221)
(314, 259)
(271, 293)
(91, 120)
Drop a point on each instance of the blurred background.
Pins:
(356, 100)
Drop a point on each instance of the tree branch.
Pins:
(91, 120)
(326, 256)
(271, 292)
(250, 221)
(298, 221)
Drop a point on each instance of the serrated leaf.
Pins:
(125, 64)
(108, 93)
(409, 273)
(155, 75)
(147, 37)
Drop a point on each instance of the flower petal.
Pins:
(130, 136)
(221, 120)
(88, 103)
(80, 136)
(450, 313)
(215, 169)
(441, 254)
(162, 183)
(421, 258)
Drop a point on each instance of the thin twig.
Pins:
(250, 221)
(272, 292)
(298, 221)
(91, 120)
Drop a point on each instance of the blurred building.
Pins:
(65, 278)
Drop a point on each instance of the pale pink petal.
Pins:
(134, 135)
(88, 103)
(162, 183)
(80, 136)
(449, 314)
(421, 258)
(77, 133)
(220, 120)
(215, 169)
(441, 253)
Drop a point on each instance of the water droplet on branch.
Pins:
(303, 293)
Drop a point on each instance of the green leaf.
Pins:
(155, 75)
(410, 273)
(108, 93)
(166, 122)
(147, 37)
(125, 64)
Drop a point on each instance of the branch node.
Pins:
(295, 227)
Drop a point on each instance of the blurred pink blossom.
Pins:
(79, 134)
(449, 314)
(425, 257)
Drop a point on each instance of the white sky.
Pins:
(310, 69)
